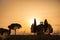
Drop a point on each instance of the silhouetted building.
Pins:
(40, 28)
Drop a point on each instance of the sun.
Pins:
(32, 21)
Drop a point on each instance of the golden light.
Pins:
(32, 21)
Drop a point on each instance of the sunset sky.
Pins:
(24, 11)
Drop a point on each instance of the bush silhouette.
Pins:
(4, 33)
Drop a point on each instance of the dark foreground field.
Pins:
(33, 37)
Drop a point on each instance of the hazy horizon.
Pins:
(23, 11)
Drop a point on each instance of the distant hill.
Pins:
(33, 37)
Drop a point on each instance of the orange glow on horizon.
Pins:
(24, 12)
(32, 21)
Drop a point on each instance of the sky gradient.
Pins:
(23, 11)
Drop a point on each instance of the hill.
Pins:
(33, 37)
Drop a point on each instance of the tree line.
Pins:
(44, 28)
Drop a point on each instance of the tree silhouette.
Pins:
(9, 28)
(34, 27)
(14, 26)
(4, 33)
(50, 29)
(33, 30)
(47, 27)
